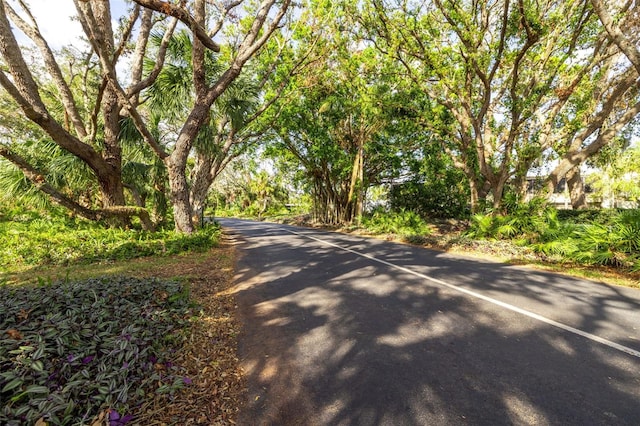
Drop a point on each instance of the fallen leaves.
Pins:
(214, 386)
(14, 334)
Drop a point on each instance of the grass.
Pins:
(137, 267)
(46, 242)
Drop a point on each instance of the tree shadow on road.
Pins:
(331, 338)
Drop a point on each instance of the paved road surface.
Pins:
(344, 330)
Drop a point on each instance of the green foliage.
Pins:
(405, 223)
(588, 215)
(430, 199)
(520, 219)
(29, 239)
(244, 191)
(604, 237)
(616, 243)
(71, 350)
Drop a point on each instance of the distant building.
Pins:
(560, 197)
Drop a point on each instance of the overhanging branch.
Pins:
(184, 16)
(38, 180)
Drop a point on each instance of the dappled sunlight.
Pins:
(332, 337)
(324, 348)
(416, 331)
(561, 344)
(522, 412)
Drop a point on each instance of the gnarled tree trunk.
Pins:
(575, 184)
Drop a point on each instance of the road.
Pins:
(346, 330)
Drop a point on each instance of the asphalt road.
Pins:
(344, 330)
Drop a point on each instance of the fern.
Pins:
(481, 226)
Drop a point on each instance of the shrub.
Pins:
(70, 351)
(435, 199)
(530, 220)
(614, 242)
(588, 215)
(405, 223)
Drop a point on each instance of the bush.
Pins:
(405, 223)
(70, 351)
(608, 238)
(530, 220)
(435, 199)
(589, 215)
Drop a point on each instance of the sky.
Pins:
(55, 19)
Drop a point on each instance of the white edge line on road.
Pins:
(472, 293)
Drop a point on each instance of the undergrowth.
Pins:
(28, 239)
(404, 223)
(77, 352)
(609, 238)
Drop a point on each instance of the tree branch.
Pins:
(184, 16)
(139, 85)
(628, 48)
(33, 32)
(38, 180)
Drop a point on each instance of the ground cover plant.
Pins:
(31, 238)
(71, 352)
(405, 223)
(147, 335)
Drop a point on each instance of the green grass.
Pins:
(28, 241)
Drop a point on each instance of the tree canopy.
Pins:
(465, 98)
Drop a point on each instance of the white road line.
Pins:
(472, 293)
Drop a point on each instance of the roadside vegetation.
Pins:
(601, 244)
(31, 238)
(105, 326)
(609, 238)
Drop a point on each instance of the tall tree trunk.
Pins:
(179, 190)
(201, 181)
(360, 198)
(575, 184)
(112, 189)
(354, 199)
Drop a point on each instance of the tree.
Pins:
(246, 189)
(509, 82)
(616, 104)
(76, 135)
(333, 119)
(92, 133)
(616, 177)
(627, 40)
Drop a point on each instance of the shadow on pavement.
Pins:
(330, 338)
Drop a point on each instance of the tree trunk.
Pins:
(179, 189)
(352, 208)
(576, 189)
(200, 183)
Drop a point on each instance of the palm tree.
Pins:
(221, 139)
